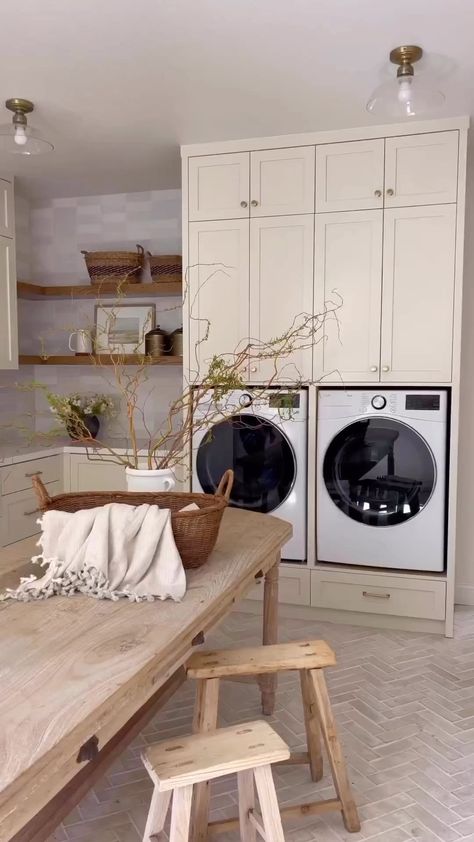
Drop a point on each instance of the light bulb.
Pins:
(404, 89)
(20, 135)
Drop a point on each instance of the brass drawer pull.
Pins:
(34, 512)
(34, 474)
(376, 595)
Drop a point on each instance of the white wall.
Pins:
(51, 236)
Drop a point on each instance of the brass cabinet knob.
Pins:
(377, 193)
(244, 204)
(254, 203)
(385, 368)
(374, 368)
(390, 192)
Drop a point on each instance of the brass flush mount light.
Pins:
(405, 95)
(18, 137)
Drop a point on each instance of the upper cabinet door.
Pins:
(281, 295)
(8, 310)
(218, 290)
(7, 221)
(349, 176)
(418, 293)
(347, 287)
(219, 186)
(282, 181)
(421, 169)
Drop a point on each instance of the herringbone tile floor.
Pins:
(405, 706)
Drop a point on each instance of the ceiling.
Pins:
(118, 85)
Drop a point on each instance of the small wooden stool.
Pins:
(310, 658)
(175, 766)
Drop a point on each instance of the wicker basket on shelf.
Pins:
(114, 266)
(165, 267)
(195, 532)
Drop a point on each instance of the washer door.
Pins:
(379, 471)
(260, 455)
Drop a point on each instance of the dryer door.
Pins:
(260, 455)
(379, 471)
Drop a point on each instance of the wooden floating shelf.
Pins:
(106, 290)
(102, 359)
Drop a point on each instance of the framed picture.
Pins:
(121, 329)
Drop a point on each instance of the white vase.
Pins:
(154, 479)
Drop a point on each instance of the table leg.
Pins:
(268, 683)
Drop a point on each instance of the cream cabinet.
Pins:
(95, 475)
(421, 169)
(281, 292)
(7, 215)
(348, 267)
(396, 172)
(262, 183)
(350, 176)
(18, 500)
(294, 586)
(218, 310)
(418, 294)
(8, 305)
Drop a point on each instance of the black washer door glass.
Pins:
(259, 454)
(379, 472)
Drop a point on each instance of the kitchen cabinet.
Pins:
(350, 176)
(262, 183)
(396, 172)
(418, 294)
(18, 500)
(8, 305)
(281, 292)
(421, 169)
(348, 266)
(7, 214)
(218, 313)
(95, 475)
(294, 586)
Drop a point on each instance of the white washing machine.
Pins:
(381, 493)
(265, 444)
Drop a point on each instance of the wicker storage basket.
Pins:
(195, 532)
(116, 266)
(165, 267)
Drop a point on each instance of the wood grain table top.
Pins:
(75, 667)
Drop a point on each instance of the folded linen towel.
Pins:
(107, 552)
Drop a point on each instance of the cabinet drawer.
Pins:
(294, 587)
(18, 477)
(378, 594)
(20, 513)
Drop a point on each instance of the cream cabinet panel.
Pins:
(421, 169)
(95, 475)
(282, 181)
(8, 306)
(294, 586)
(20, 513)
(219, 290)
(418, 293)
(219, 186)
(347, 284)
(349, 176)
(281, 290)
(7, 216)
(18, 477)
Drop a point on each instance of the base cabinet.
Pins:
(379, 593)
(18, 501)
(294, 586)
(84, 474)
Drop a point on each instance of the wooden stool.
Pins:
(175, 766)
(309, 657)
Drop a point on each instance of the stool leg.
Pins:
(334, 750)
(181, 814)
(268, 683)
(157, 814)
(205, 719)
(245, 782)
(268, 804)
(313, 735)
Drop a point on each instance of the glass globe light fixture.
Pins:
(17, 137)
(405, 95)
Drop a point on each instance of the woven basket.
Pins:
(118, 266)
(165, 267)
(195, 532)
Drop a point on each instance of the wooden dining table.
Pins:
(80, 677)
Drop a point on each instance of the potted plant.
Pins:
(79, 414)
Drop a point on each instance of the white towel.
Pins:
(107, 552)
